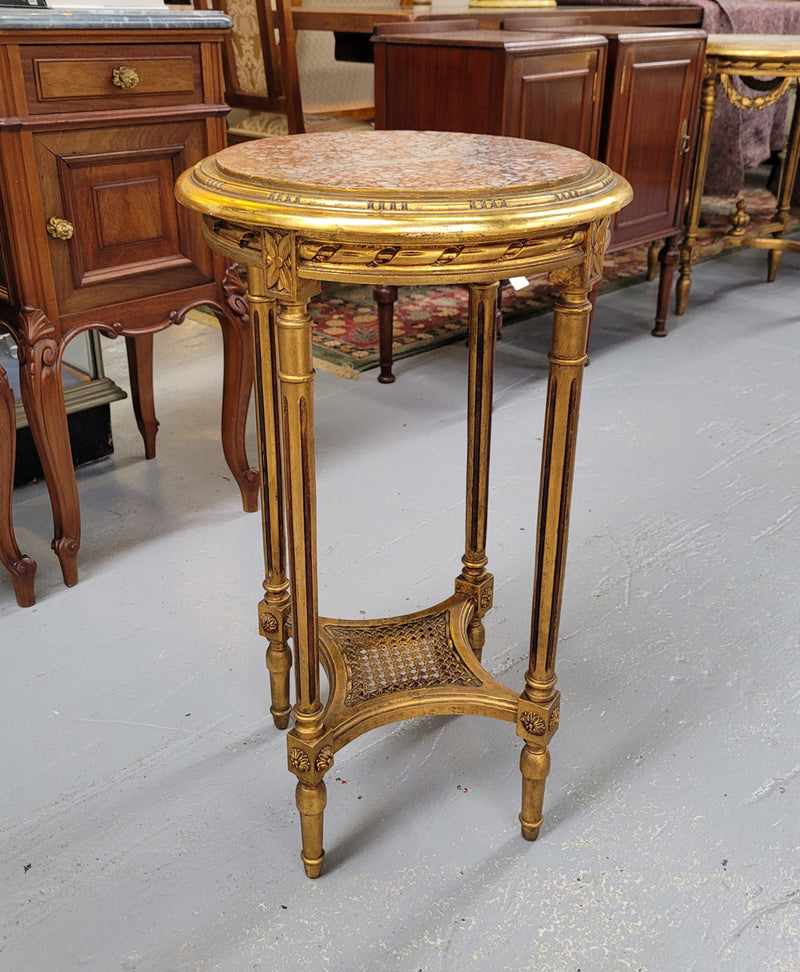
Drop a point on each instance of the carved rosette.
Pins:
(268, 624)
(481, 592)
(278, 251)
(310, 760)
(536, 723)
(596, 241)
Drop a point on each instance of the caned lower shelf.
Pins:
(391, 669)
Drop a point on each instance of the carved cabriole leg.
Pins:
(21, 567)
(539, 702)
(474, 580)
(787, 180)
(274, 612)
(237, 383)
(385, 297)
(707, 100)
(43, 396)
(309, 749)
(140, 368)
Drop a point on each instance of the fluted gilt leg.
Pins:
(539, 703)
(708, 99)
(274, 611)
(474, 579)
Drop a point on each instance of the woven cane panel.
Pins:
(399, 656)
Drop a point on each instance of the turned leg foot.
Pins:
(534, 765)
(682, 290)
(311, 801)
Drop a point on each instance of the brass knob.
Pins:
(60, 229)
(125, 77)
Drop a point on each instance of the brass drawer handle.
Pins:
(60, 229)
(125, 77)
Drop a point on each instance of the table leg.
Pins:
(474, 579)
(237, 382)
(787, 180)
(274, 612)
(539, 716)
(309, 751)
(43, 396)
(139, 348)
(385, 297)
(667, 258)
(21, 568)
(708, 99)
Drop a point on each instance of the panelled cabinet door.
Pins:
(115, 230)
(651, 125)
(557, 98)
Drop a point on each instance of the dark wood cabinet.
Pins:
(636, 89)
(97, 120)
(545, 87)
(649, 122)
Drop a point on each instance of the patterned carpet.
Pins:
(346, 323)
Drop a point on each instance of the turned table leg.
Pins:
(309, 751)
(474, 579)
(786, 187)
(540, 700)
(708, 99)
(274, 611)
(385, 297)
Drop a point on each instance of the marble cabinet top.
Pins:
(105, 19)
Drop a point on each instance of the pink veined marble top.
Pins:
(403, 162)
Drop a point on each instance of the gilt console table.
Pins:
(765, 65)
(404, 208)
(100, 111)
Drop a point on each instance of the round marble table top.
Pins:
(405, 205)
(403, 163)
(401, 182)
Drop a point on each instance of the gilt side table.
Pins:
(766, 64)
(404, 208)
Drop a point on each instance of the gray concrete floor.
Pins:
(148, 819)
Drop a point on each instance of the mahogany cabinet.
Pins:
(645, 97)
(543, 86)
(650, 114)
(99, 114)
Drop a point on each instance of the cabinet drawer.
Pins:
(87, 78)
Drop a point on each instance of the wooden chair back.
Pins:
(260, 59)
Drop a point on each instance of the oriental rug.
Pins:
(346, 321)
